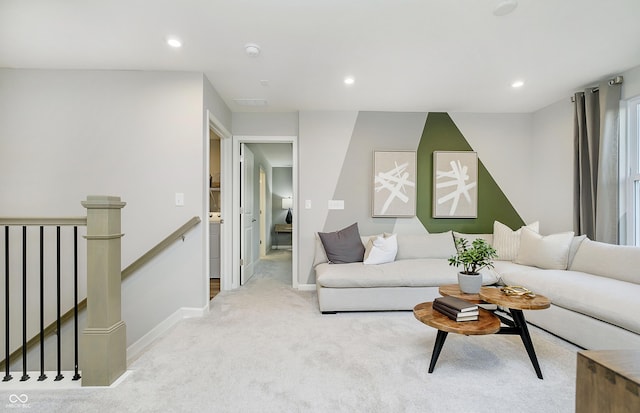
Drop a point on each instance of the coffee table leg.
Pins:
(437, 347)
(521, 325)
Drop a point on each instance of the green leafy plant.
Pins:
(472, 258)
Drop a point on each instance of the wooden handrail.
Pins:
(76, 221)
(133, 267)
(161, 246)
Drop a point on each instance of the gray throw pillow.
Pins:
(343, 246)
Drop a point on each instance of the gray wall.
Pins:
(138, 135)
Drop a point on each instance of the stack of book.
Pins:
(456, 309)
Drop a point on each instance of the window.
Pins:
(632, 173)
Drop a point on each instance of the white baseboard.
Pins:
(306, 287)
(281, 247)
(134, 350)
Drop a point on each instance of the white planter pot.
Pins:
(469, 284)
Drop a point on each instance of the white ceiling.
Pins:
(405, 55)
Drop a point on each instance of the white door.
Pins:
(247, 218)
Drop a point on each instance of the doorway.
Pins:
(244, 243)
(217, 196)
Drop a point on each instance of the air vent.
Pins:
(251, 102)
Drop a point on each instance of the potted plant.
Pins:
(472, 258)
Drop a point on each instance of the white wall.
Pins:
(214, 103)
(265, 124)
(631, 85)
(552, 167)
(137, 135)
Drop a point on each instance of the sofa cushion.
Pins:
(472, 237)
(506, 241)
(575, 244)
(422, 272)
(381, 249)
(506, 267)
(606, 299)
(343, 246)
(621, 262)
(437, 245)
(550, 252)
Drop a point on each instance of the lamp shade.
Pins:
(287, 203)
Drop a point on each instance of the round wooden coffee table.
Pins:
(487, 323)
(495, 296)
(515, 325)
(454, 291)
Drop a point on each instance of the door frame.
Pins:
(263, 211)
(233, 170)
(225, 202)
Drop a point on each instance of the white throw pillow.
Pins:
(381, 250)
(550, 252)
(506, 241)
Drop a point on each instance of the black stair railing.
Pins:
(25, 306)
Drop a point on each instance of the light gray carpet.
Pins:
(266, 348)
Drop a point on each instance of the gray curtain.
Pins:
(596, 141)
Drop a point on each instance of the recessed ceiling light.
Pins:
(174, 42)
(349, 80)
(505, 7)
(517, 84)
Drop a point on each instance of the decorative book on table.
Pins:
(456, 304)
(456, 309)
(456, 315)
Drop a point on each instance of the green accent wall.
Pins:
(441, 134)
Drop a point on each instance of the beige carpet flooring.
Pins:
(266, 348)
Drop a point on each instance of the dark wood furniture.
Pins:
(608, 381)
(282, 229)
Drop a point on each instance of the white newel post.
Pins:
(103, 349)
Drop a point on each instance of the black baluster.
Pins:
(76, 376)
(42, 375)
(25, 376)
(59, 333)
(7, 375)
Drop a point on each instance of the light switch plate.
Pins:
(336, 204)
(307, 204)
(179, 199)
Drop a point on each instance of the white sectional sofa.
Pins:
(595, 302)
(594, 287)
(419, 269)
